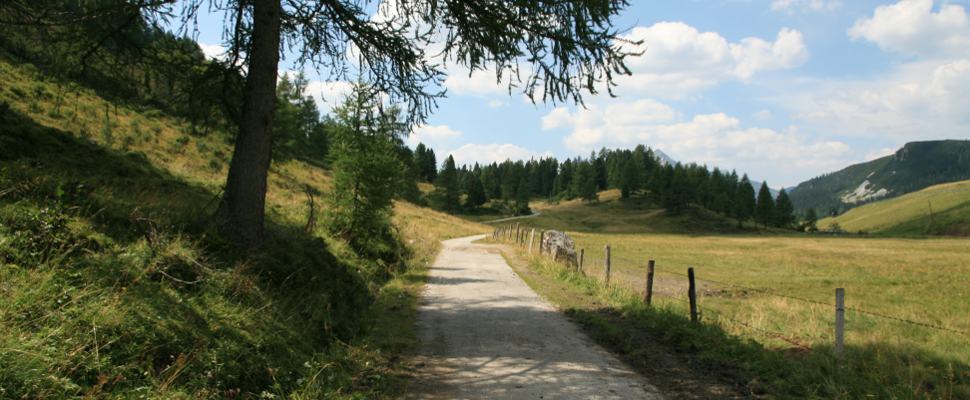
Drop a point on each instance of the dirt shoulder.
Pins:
(677, 375)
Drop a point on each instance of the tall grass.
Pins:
(113, 283)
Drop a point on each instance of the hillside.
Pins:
(612, 214)
(937, 210)
(916, 166)
(113, 284)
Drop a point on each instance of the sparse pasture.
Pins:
(779, 291)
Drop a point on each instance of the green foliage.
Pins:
(446, 186)
(426, 163)
(522, 195)
(744, 201)
(366, 174)
(112, 284)
(764, 212)
(298, 131)
(476, 191)
(784, 211)
(810, 222)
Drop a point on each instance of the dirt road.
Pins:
(485, 335)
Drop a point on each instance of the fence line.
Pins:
(816, 302)
(612, 255)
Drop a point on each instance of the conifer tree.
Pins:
(366, 172)
(765, 212)
(522, 196)
(784, 210)
(744, 202)
(630, 178)
(446, 186)
(475, 190)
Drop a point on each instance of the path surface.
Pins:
(533, 215)
(485, 335)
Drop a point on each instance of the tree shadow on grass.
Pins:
(700, 361)
(251, 318)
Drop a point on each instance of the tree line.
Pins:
(639, 172)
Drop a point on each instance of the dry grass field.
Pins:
(907, 299)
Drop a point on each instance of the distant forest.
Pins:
(639, 172)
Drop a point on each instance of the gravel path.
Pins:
(485, 335)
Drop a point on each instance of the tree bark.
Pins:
(242, 210)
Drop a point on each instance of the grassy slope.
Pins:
(910, 214)
(111, 282)
(613, 214)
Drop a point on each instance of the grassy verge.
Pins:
(113, 285)
(711, 360)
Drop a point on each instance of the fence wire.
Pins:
(614, 257)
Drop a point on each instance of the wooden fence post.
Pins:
(839, 321)
(532, 238)
(582, 255)
(648, 294)
(607, 265)
(542, 238)
(692, 294)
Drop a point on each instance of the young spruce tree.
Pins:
(784, 211)
(366, 172)
(765, 212)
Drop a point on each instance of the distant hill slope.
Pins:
(937, 210)
(611, 214)
(916, 166)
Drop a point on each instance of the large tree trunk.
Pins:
(241, 212)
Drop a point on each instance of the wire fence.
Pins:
(590, 267)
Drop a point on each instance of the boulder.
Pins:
(560, 246)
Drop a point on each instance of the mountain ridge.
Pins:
(915, 166)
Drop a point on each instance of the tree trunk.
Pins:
(241, 212)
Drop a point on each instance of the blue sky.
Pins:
(783, 90)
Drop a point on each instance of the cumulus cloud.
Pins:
(715, 139)
(432, 134)
(678, 60)
(793, 6)
(489, 153)
(921, 100)
(911, 27)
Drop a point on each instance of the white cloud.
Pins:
(763, 115)
(328, 94)
(679, 61)
(213, 51)
(879, 153)
(483, 82)
(715, 139)
(792, 6)
(489, 153)
(922, 100)
(911, 27)
(432, 134)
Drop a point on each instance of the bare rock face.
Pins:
(560, 246)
